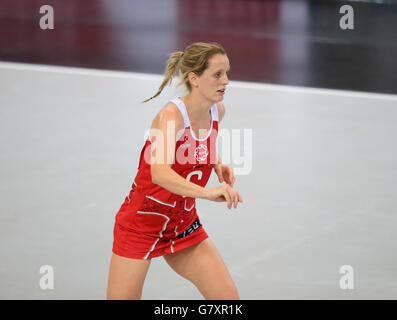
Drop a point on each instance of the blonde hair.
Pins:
(193, 59)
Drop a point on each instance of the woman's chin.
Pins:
(219, 97)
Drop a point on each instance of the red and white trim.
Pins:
(161, 232)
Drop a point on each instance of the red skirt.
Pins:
(146, 228)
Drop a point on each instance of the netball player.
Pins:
(158, 217)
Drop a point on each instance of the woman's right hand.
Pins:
(224, 193)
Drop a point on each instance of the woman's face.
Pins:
(214, 78)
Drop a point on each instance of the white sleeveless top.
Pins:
(182, 108)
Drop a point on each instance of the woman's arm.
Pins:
(170, 180)
(163, 133)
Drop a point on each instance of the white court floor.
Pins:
(321, 192)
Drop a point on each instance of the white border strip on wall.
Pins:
(157, 77)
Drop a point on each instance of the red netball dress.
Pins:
(153, 221)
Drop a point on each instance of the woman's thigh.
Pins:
(204, 267)
(126, 278)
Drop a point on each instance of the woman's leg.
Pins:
(126, 278)
(204, 267)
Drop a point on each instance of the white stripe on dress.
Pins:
(161, 232)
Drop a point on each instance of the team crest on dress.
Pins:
(201, 152)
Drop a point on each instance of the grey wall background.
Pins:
(321, 193)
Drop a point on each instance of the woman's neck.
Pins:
(197, 108)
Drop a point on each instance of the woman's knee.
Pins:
(126, 278)
(203, 266)
(230, 292)
(222, 288)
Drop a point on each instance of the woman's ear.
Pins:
(193, 79)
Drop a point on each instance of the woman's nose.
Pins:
(226, 80)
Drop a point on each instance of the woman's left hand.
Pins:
(225, 173)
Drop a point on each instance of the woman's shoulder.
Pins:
(170, 112)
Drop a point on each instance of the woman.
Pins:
(159, 216)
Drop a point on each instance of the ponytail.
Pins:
(171, 71)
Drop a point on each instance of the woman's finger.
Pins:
(220, 176)
(231, 175)
(236, 200)
(229, 198)
(226, 195)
